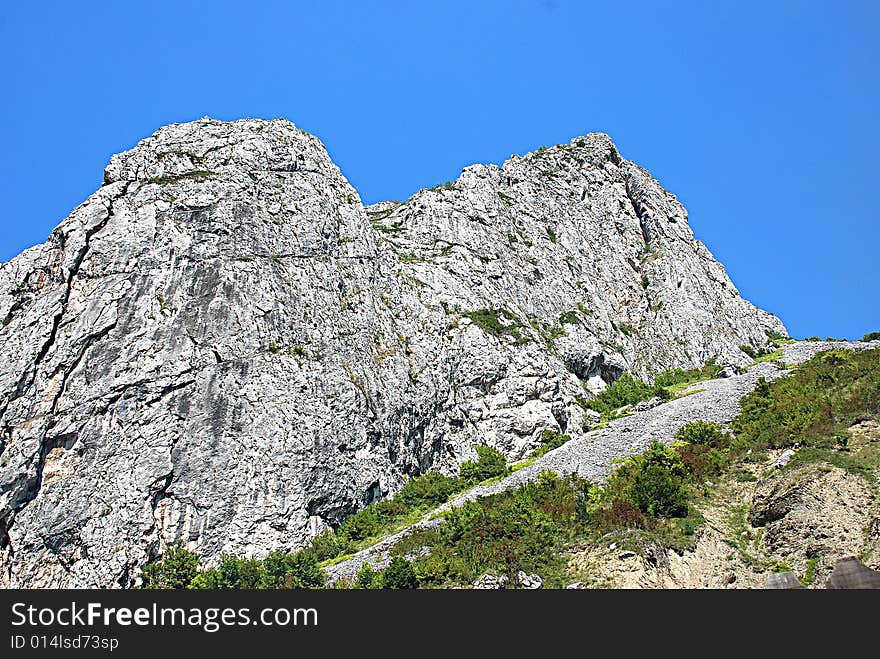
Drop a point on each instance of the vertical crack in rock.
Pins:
(161, 492)
(21, 388)
(87, 343)
(33, 485)
(638, 208)
(162, 484)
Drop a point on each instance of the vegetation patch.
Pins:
(498, 322)
(198, 175)
(626, 390)
(531, 528)
(179, 569)
(411, 257)
(378, 216)
(550, 440)
(548, 333)
(569, 318)
(394, 228)
(490, 464)
(679, 377)
(815, 405)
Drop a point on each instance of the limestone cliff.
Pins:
(223, 346)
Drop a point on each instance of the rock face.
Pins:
(223, 346)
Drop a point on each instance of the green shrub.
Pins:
(659, 493)
(328, 545)
(626, 390)
(175, 571)
(569, 318)
(277, 570)
(429, 490)
(372, 520)
(679, 376)
(655, 482)
(489, 465)
(233, 573)
(367, 578)
(871, 336)
(767, 353)
(518, 529)
(550, 440)
(498, 322)
(360, 526)
(289, 571)
(421, 493)
(776, 337)
(704, 433)
(399, 575)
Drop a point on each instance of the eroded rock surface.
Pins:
(223, 346)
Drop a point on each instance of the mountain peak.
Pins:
(223, 347)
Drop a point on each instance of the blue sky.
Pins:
(760, 116)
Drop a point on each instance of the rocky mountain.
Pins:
(223, 346)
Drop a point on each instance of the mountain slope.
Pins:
(223, 347)
(753, 517)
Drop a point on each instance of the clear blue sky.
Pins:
(761, 116)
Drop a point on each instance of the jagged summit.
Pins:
(223, 346)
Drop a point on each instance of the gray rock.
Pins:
(783, 581)
(223, 347)
(591, 419)
(528, 581)
(626, 554)
(490, 582)
(783, 459)
(851, 573)
(727, 372)
(645, 405)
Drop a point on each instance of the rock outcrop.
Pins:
(223, 347)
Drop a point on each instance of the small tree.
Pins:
(703, 433)
(367, 578)
(655, 482)
(430, 489)
(303, 571)
(175, 571)
(658, 482)
(328, 545)
(490, 464)
(299, 570)
(233, 573)
(399, 575)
